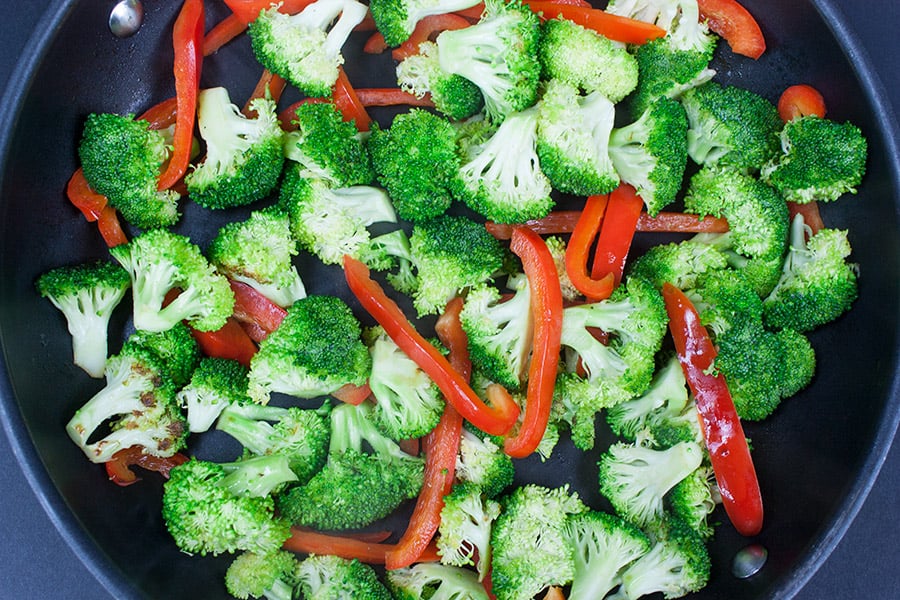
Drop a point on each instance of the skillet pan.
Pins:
(817, 458)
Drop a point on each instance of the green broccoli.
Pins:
(725, 299)
(215, 384)
(482, 462)
(434, 581)
(158, 262)
(557, 246)
(692, 500)
(305, 48)
(603, 546)
(273, 576)
(679, 263)
(315, 351)
(396, 19)
(243, 155)
(327, 147)
(453, 95)
(585, 59)
(392, 252)
(211, 508)
(408, 404)
(259, 251)
(465, 528)
(685, 29)
(573, 139)
(86, 294)
(326, 577)
(175, 347)
(817, 284)
(651, 152)
(415, 159)
(820, 159)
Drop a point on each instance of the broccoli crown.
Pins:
(483, 463)
(498, 54)
(326, 577)
(576, 402)
(259, 252)
(667, 71)
(502, 179)
(451, 253)
(651, 152)
(305, 49)
(585, 59)
(573, 139)
(158, 262)
(816, 285)
(499, 332)
(465, 527)
(243, 155)
(215, 384)
(603, 546)
(435, 581)
(453, 95)
(800, 358)
(530, 551)
(557, 246)
(121, 158)
(396, 19)
(679, 263)
(327, 147)
(635, 478)
(819, 160)
(316, 350)
(692, 500)
(407, 402)
(273, 575)
(725, 299)
(331, 222)
(390, 251)
(730, 126)
(176, 348)
(204, 516)
(757, 215)
(86, 294)
(416, 160)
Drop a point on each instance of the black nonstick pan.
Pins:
(817, 457)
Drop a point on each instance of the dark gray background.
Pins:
(35, 562)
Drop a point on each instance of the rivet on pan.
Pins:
(126, 18)
(748, 561)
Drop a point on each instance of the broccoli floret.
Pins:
(259, 252)
(680, 18)
(215, 384)
(121, 158)
(730, 126)
(396, 19)
(502, 179)
(327, 147)
(86, 294)
(819, 160)
(499, 331)
(679, 263)
(585, 59)
(358, 485)
(651, 153)
(603, 546)
(175, 347)
(408, 404)
(273, 576)
(331, 222)
(530, 551)
(326, 577)
(211, 508)
(498, 54)
(301, 435)
(573, 138)
(635, 478)
(816, 285)
(243, 155)
(389, 252)
(453, 95)
(416, 160)
(138, 404)
(314, 351)
(434, 581)
(692, 500)
(465, 527)
(557, 247)
(305, 48)
(677, 564)
(158, 262)
(482, 462)
(725, 299)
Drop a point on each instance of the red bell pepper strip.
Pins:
(230, 341)
(162, 115)
(248, 10)
(494, 420)
(546, 309)
(391, 97)
(82, 197)
(118, 468)
(563, 221)
(623, 211)
(187, 41)
(269, 84)
(812, 218)
(615, 27)
(728, 450)
(375, 44)
(306, 541)
(110, 228)
(251, 306)
(348, 102)
(800, 100)
(353, 394)
(579, 247)
(223, 32)
(449, 330)
(427, 29)
(732, 21)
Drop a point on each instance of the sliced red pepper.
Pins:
(546, 309)
(728, 450)
(494, 420)
(252, 306)
(248, 10)
(187, 41)
(615, 27)
(307, 541)
(347, 101)
(376, 44)
(735, 24)
(623, 211)
(223, 32)
(449, 330)
(426, 30)
(118, 468)
(162, 115)
(579, 249)
(800, 100)
(391, 97)
(230, 341)
(353, 394)
(82, 197)
(110, 228)
(270, 85)
(812, 218)
(563, 221)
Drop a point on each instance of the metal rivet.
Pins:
(126, 18)
(748, 561)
